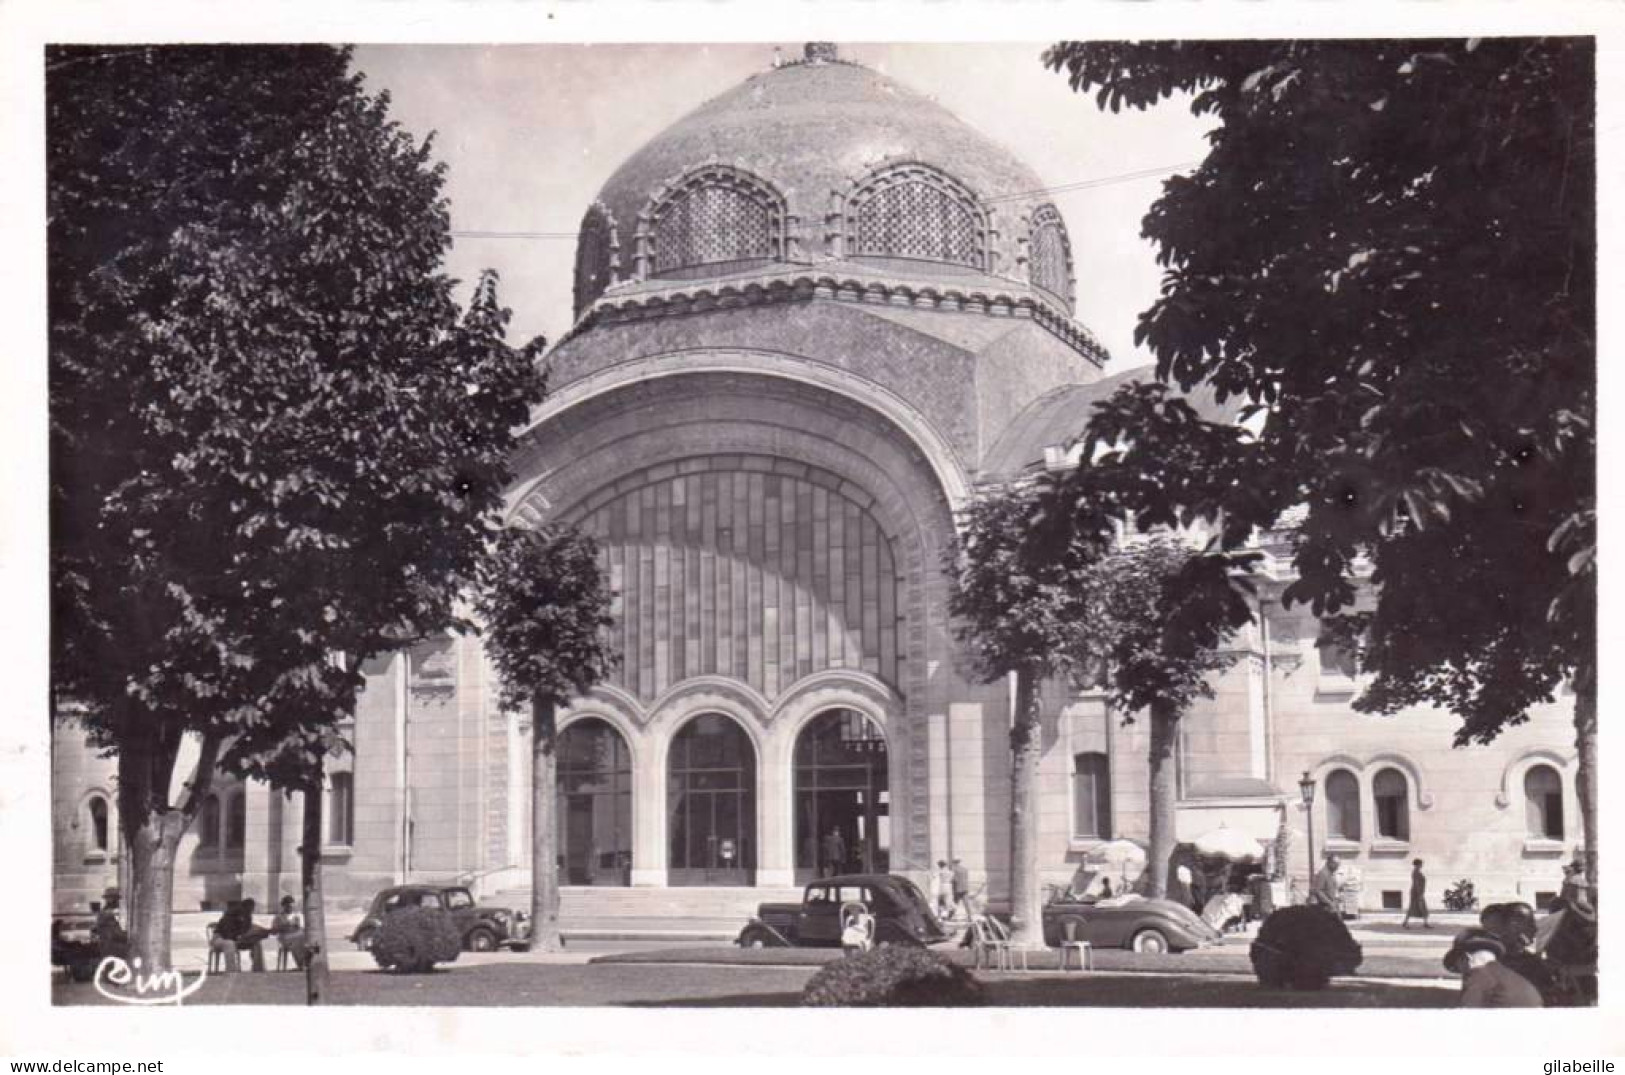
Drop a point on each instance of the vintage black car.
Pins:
(902, 914)
(484, 929)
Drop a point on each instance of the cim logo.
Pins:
(165, 987)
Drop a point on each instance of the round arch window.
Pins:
(711, 804)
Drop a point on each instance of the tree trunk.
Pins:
(1164, 728)
(310, 883)
(1026, 742)
(544, 863)
(1585, 746)
(152, 845)
(151, 830)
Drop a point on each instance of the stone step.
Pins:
(732, 904)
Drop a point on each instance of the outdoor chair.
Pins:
(290, 949)
(986, 952)
(222, 958)
(1070, 943)
(1002, 934)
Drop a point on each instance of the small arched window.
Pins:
(1091, 796)
(1050, 254)
(1543, 802)
(208, 822)
(341, 810)
(96, 814)
(911, 211)
(1391, 794)
(1342, 805)
(236, 820)
(715, 216)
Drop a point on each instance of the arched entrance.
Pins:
(841, 787)
(711, 804)
(594, 804)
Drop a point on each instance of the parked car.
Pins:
(483, 928)
(1140, 925)
(901, 912)
(74, 947)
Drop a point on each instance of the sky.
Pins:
(529, 133)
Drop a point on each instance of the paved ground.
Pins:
(488, 983)
(1227, 959)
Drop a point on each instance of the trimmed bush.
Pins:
(413, 939)
(894, 977)
(1460, 896)
(1303, 948)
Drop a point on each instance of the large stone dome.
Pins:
(824, 160)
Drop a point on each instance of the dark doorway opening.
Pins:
(594, 805)
(842, 797)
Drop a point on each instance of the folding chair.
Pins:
(1002, 935)
(1070, 943)
(221, 957)
(987, 950)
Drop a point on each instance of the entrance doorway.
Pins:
(842, 796)
(711, 804)
(594, 805)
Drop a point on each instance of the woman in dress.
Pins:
(1418, 907)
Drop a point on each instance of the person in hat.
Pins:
(1513, 924)
(1485, 981)
(108, 932)
(1418, 906)
(1327, 889)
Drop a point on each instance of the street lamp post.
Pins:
(1306, 788)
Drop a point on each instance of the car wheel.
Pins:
(481, 940)
(1149, 941)
(364, 939)
(754, 938)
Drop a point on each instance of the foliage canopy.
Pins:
(1389, 254)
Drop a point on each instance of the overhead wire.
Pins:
(1063, 188)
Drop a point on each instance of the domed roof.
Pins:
(806, 135)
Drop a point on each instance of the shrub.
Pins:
(894, 977)
(413, 939)
(1302, 948)
(1460, 896)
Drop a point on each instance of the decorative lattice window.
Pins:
(595, 256)
(911, 211)
(1050, 254)
(716, 215)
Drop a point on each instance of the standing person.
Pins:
(945, 890)
(1327, 889)
(1418, 906)
(961, 882)
(834, 853)
(1485, 982)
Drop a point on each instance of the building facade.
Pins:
(811, 317)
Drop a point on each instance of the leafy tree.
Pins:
(1389, 253)
(1043, 588)
(1149, 619)
(544, 603)
(273, 437)
(1010, 608)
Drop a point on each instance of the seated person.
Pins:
(236, 930)
(289, 929)
(109, 935)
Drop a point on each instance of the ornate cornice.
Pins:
(985, 296)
